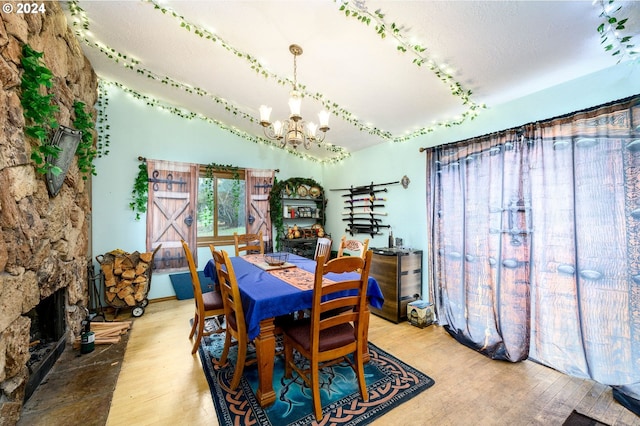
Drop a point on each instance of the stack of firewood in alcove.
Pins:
(126, 277)
(106, 332)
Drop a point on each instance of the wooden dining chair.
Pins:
(323, 248)
(208, 304)
(353, 247)
(248, 243)
(234, 314)
(327, 339)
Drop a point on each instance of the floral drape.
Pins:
(535, 247)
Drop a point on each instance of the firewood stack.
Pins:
(106, 332)
(126, 277)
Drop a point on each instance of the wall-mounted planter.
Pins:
(67, 139)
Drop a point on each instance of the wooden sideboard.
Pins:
(399, 274)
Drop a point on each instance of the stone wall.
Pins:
(45, 240)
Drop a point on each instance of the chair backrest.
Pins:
(228, 283)
(323, 248)
(195, 280)
(348, 298)
(248, 243)
(353, 247)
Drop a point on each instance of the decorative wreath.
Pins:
(275, 201)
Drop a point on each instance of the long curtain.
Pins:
(536, 244)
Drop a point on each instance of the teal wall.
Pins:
(137, 129)
(390, 161)
(140, 130)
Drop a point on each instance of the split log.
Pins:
(98, 341)
(130, 300)
(112, 324)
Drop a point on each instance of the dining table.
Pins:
(268, 293)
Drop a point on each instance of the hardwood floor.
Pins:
(161, 383)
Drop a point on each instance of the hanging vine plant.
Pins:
(140, 192)
(38, 109)
(275, 200)
(86, 152)
(612, 31)
(39, 112)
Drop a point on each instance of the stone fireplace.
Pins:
(47, 338)
(44, 243)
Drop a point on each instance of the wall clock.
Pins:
(405, 181)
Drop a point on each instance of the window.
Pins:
(221, 206)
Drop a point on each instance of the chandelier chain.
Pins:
(295, 73)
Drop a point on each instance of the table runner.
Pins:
(297, 277)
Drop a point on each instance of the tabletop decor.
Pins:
(390, 382)
(270, 261)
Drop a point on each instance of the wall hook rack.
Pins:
(362, 210)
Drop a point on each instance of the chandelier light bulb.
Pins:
(323, 117)
(295, 104)
(277, 129)
(265, 113)
(311, 130)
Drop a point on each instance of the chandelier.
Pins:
(294, 131)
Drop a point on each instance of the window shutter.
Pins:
(171, 212)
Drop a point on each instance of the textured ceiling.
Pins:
(223, 59)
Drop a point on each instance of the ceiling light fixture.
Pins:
(294, 131)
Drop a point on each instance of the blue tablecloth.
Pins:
(265, 296)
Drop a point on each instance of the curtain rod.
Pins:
(140, 158)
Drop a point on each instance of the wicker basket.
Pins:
(276, 259)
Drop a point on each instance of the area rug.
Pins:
(390, 382)
(578, 419)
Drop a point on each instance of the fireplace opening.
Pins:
(47, 338)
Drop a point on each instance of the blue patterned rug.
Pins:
(390, 383)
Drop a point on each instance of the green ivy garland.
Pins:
(382, 28)
(275, 201)
(102, 125)
(86, 152)
(38, 109)
(140, 192)
(342, 153)
(81, 24)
